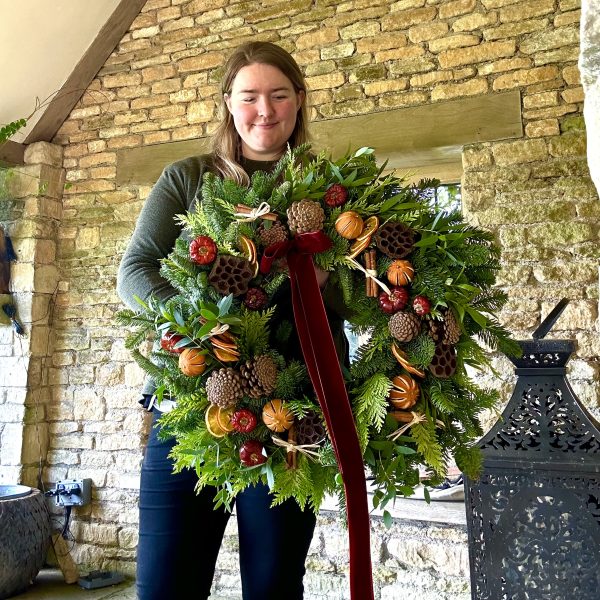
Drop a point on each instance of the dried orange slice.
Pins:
(226, 355)
(248, 247)
(224, 418)
(212, 422)
(358, 246)
(371, 226)
(402, 358)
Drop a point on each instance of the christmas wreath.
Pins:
(415, 284)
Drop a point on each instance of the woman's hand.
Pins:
(322, 276)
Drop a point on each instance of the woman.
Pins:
(264, 96)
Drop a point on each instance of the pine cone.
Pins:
(224, 387)
(266, 371)
(274, 234)
(395, 239)
(231, 275)
(404, 326)
(451, 329)
(310, 430)
(305, 216)
(443, 363)
(259, 376)
(436, 330)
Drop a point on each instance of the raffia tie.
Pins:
(256, 213)
(417, 418)
(306, 449)
(371, 273)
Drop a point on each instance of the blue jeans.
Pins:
(181, 533)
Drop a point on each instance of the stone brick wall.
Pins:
(33, 219)
(160, 85)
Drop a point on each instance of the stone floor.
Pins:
(50, 585)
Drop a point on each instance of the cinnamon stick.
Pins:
(246, 210)
(291, 455)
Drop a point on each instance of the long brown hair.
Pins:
(226, 140)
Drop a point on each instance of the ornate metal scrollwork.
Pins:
(534, 515)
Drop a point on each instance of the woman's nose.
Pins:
(265, 108)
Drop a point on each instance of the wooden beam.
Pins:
(86, 69)
(414, 139)
(11, 153)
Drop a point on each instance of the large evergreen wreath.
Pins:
(414, 283)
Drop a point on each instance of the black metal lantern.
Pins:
(533, 517)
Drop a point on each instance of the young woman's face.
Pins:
(264, 106)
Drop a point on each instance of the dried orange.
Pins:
(224, 418)
(211, 418)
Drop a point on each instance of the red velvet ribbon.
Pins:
(326, 376)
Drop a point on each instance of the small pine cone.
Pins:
(443, 363)
(451, 329)
(224, 387)
(404, 326)
(305, 216)
(250, 380)
(395, 239)
(266, 372)
(436, 330)
(277, 232)
(310, 430)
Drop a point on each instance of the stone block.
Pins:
(398, 54)
(453, 41)
(128, 538)
(328, 81)
(347, 109)
(44, 153)
(484, 52)
(200, 112)
(548, 40)
(474, 21)
(560, 234)
(526, 10)
(569, 144)
(456, 8)
(377, 88)
(88, 404)
(411, 66)
(360, 29)
(406, 18)
(321, 37)
(11, 444)
(341, 50)
(542, 128)
(522, 151)
(472, 87)
(426, 32)
(96, 533)
(383, 41)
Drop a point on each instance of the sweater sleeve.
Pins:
(156, 231)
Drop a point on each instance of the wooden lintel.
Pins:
(86, 69)
(413, 139)
(11, 153)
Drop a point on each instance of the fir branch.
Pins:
(370, 400)
(290, 381)
(254, 334)
(441, 394)
(420, 350)
(427, 444)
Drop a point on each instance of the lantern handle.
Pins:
(547, 324)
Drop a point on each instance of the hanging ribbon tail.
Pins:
(326, 375)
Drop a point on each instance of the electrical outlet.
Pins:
(73, 492)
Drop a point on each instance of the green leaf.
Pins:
(388, 520)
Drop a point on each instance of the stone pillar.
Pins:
(589, 65)
(35, 191)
